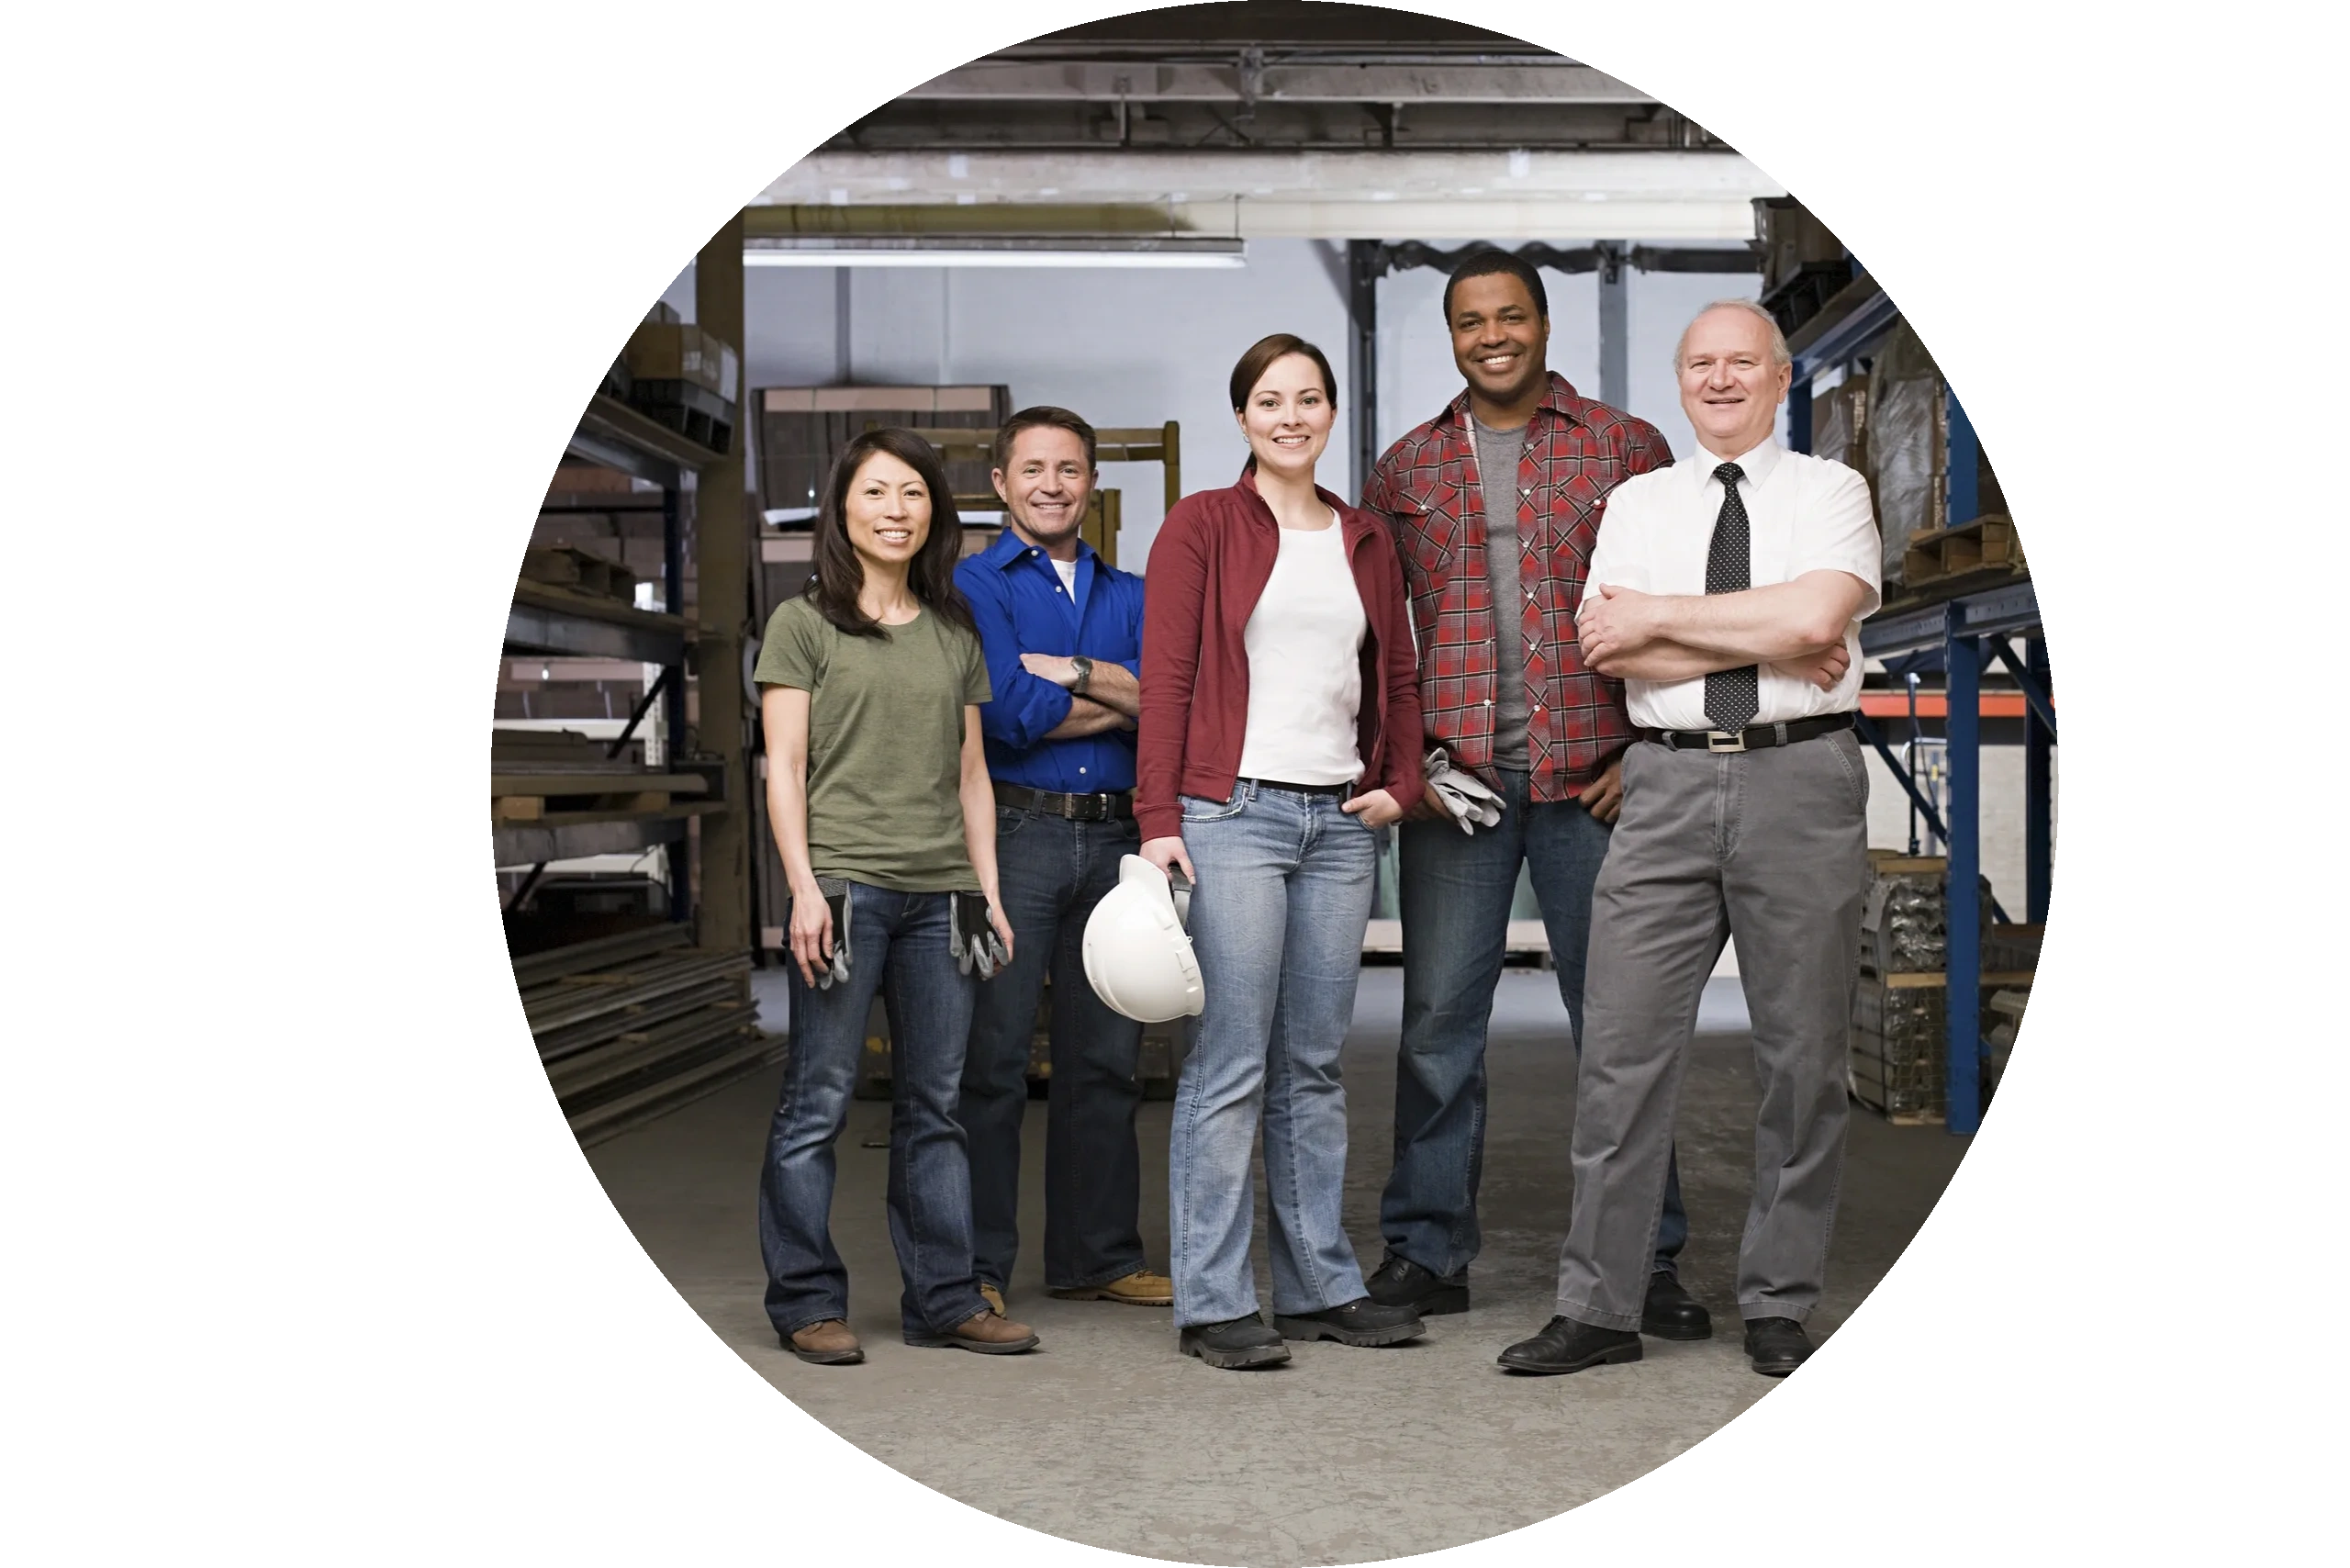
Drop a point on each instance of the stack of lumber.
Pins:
(546, 776)
(632, 1026)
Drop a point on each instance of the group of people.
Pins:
(1647, 672)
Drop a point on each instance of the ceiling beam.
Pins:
(1147, 83)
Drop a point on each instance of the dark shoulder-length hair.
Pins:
(840, 576)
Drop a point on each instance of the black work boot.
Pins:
(1362, 1321)
(1399, 1282)
(1242, 1342)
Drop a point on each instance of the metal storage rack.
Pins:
(1973, 630)
(549, 621)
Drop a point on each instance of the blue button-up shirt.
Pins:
(1017, 599)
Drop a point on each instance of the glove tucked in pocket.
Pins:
(836, 899)
(973, 940)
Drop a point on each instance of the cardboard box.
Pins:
(1791, 239)
(671, 351)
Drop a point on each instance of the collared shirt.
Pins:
(1428, 490)
(1804, 514)
(1022, 607)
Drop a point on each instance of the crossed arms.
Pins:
(1798, 626)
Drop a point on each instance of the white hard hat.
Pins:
(1137, 957)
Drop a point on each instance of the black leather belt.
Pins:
(1752, 738)
(1109, 806)
(1335, 791)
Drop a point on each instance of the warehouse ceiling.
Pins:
(1278, 117)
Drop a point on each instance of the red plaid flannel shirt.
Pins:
(1427, 491)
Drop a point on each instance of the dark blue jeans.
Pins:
(1455, 891)
(898, 948)
(1052, 873)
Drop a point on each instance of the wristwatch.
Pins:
(1084, 673)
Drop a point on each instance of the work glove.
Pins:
(1472, 804)
(836, 899)
(973, 938)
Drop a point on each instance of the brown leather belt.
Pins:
(1109, 806)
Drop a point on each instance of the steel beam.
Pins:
(530, 843)
(536, 628)
(2038, 796)
(1615, 348)
(1962, 898)
(1516, 82)
(1364, 267)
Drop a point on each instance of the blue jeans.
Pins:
(1454, 889)
(1277, 919)
(898, 948)
(1053, 872)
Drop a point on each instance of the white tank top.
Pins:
(1304, 643)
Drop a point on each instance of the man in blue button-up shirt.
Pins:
(1062, 628)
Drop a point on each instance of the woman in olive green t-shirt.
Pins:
(877, 789)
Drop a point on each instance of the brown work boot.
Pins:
(1141, 1288)
(989, 1333)
(827, 1344)
(992, 1296)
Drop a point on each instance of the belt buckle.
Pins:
(1725, 740)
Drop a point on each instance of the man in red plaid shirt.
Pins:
(1495, 504)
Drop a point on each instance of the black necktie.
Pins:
(1730, 694)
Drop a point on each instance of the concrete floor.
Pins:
(1106, 1435)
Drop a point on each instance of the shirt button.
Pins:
(1080, 770)
(1537, 707)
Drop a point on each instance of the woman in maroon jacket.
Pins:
(1280, 736)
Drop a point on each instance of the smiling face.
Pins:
(1500, 340)
(1045, 482)
(1730, 388)
(888, 512)
(1288, 416)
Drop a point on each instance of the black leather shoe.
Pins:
(1362, 1321)
(1776, 1346)
(1671, 1313)
(1566, 1346)
(1242, 1342)
(1399, 1282)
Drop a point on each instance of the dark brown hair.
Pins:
(1260, 357)
(840, 576)
(1043, 416)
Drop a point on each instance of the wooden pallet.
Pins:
(567, 567)
(1988, 542)
(688, 408)
(535, 796)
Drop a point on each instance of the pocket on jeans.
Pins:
(1196, 809)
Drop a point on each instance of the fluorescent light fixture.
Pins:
(992, 251)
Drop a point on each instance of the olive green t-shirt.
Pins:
(885, 744)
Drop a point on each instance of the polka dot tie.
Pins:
(1731, 695)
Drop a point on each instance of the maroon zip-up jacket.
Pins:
(1208, 568)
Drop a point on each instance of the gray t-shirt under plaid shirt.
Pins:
(1497, 455)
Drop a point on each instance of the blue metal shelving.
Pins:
(1972, 631)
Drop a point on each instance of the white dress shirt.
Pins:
(1804, 514)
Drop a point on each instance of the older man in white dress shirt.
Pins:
(1727, 592)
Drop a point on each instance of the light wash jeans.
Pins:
(1284, 891)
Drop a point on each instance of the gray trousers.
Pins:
(1770, 847)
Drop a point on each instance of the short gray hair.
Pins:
(1780, 354)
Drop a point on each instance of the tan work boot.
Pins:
(827, 1344)
(1141, 1288)
(992, 1296)
(989, 1333)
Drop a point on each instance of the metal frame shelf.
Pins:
(550, 620)
(1973, 630)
